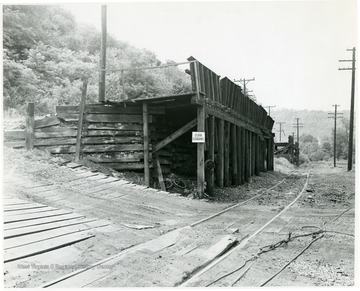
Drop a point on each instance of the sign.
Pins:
(198, 137)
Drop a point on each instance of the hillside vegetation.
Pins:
(47, 55)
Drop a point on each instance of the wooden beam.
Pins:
(146, 144)
(200, 152)
(227, 154)
(160, 175)
(247, 155)
(30, 131)
(80, 122)
(257, 155)
(220, 158)
(240, 159)
(175, 135)
(234, 155)
(211, 156)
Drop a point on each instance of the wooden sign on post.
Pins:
(198, 137)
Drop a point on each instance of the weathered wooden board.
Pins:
(11, 208)
(55, 141)
(110, 140)
(46, 122)
(41, 221)
(10, 233)
(29, 211)
(113, 133)
(50, 234)
(44, 246)
(34, 216)
(109, 118)
(55, 132)
(116, 126)
(116, 157)
(14, 134)
(126, 166)
(15, 144)
(109, 109)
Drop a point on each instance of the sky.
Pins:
(292, 48)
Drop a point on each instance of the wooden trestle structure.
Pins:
(238, 133)
(154, 134)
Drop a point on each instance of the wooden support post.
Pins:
(30, 130)
(240, 160)
(253, 154)
(160, 175)
(227, 154)
(211, 156)
(80, 122)
(268, 152)
(257, 155)
(146, 144)
(247, 156)
(220, 158)
(234, 155)
(200, 152)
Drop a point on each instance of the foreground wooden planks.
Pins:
(45, 246)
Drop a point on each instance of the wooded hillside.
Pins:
(47, 54)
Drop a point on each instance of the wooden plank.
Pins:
(234, 155)
(247, 156)
(45, 246)
(15, 144)
(14, 134)
(112, 148)
(220, 156)
(110, 140)
(123, 157)
(109, 109)
(55, 132)
(23, 231)
(54, 142)
(116, 126)
(240, 160)
(29, 131)
(30, 239)
(211, 156)
(46, 122)
(160, 175)
(10, 208)
(145, 112)
(9, 219)
(201, 153)
(14, 213)
(175, 135)
(41, 221)
(109, 118)
(112, 133)
(126, 166)
(226, 154)
(80, 122)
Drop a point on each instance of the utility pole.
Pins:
(280, 124)
(335, 116)
(244, 82)
(269, 107)
(297, 125)
(351, 133)
(103, 55)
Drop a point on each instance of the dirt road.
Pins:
(148, 237)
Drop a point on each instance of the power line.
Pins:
(335, 116)
(351, 133)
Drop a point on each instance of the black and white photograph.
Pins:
(179, 144)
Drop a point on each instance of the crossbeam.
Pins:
(175, 135)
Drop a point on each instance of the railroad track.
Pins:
(182, 242)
